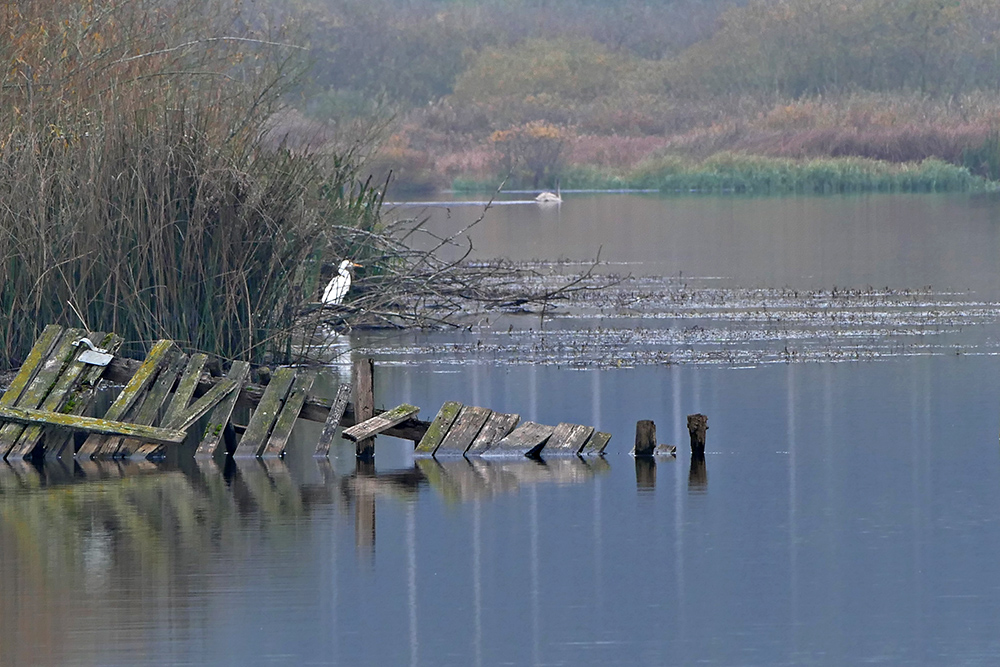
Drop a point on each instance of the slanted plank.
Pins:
(568, 439)
(528, 439)
(596, 444)
(438, 429)
(496, 427)
(380, 422)
(333, 420)
(90, 424)
(132, 391)
(41, 385)
(77, 401)
(223, 388)
(285, 422)
(39, 352)
(262, 421)
(216, 426)
(465, 429)
(32, 434)
(186, 387)
(151, 405)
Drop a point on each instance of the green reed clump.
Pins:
(141, 191)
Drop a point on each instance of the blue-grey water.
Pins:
(847, 512)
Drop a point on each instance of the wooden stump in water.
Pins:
(645, 437)
(697, 425)
(364, 403)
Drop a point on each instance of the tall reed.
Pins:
(139, 189)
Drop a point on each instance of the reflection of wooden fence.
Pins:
(169, 392)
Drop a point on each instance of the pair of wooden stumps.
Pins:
(646, 449)
(645, 437)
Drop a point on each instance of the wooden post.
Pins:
(364, 403)
(645, 437)
(697, 425)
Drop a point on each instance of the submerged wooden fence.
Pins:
(42, 412)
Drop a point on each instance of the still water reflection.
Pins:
(844, 512)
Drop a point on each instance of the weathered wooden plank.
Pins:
(41, 385)
(496, 428)
(57, 440)
(596, 444)
(438, 429)
(39, 352)
(186, 387)
(32, 434)
(151, 404)
(223, 388)
(528, 439)
(285, 422)
(216, 426)
(568, 439)
(465, 429)
(144, 375)
(380, 423)
(333, 420)
(90, 424)
(364, 403)
(263, 417)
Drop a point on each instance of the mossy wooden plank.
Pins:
(263, 417)
(496, 427)
(141, 379)
(467, 425)
(333, 419)
(186, 387)
(57, 440)
(39, 352)
(90, 424)
(32, 434)
(438, 429)
(217, 422)
(222, 388)
(595, 444)
(381, 422)
(285, 422)
(528, 439)
(41, 385)
(152, 403)
(568, 439)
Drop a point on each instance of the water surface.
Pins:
(846, 512)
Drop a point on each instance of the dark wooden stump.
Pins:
(645, 437)
(364, 403)
(697, 425)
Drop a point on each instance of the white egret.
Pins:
(337, 288)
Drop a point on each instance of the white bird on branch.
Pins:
(337, 288)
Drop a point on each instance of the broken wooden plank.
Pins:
(91, 424)
(186, 387)
(285, 422)
(465, 429)
(568, 439)
(41, 385)
(379, 423)
(32, 434)
(262, 421)
(496, 428)
(596, 444)
(333, 420)
(528, 439)
(151, 405)
(216, 426)
(438, 429)
(132, 391)
(39, 352)
(77, 401)
(223, 388)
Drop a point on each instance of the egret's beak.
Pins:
(355, 264)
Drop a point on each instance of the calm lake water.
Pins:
(848, 512)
